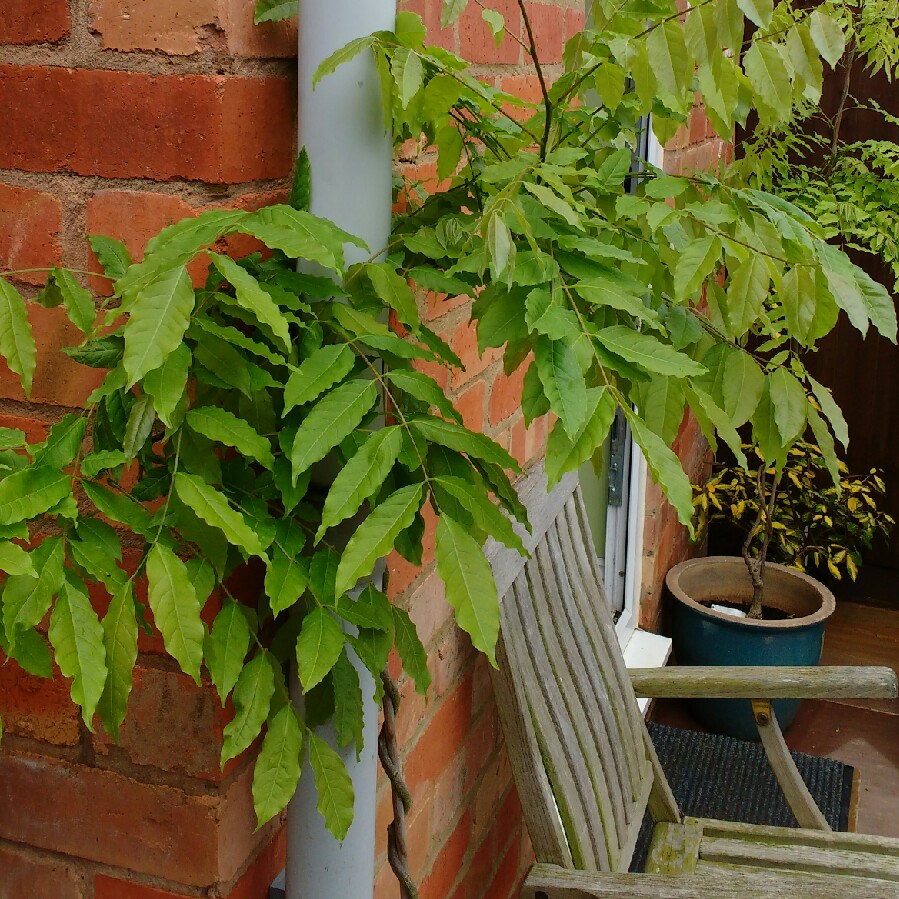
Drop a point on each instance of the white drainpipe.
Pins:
(341, 124)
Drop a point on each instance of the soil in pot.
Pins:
(790, 633)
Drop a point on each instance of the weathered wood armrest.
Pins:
(758, 682)
(552, 882)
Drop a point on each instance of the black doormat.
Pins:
(713, 776)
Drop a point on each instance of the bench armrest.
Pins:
(760, 682)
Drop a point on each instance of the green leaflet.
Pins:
(11, 438)
(120, 640)
(666, 469)
(320, 371)
(286, 579)
(30, 492)
(408, 74)
(333, 785)
(159, 317)
(176, 609)
(250, 296)
(671, 64)
(15, 561)
(32, 654)
(16, 339)
(485, 514)
(278, 767)
(78, 301)
(226, 428)
(361, 477)
(112, 254)
(376, 535)
(564, 454)
(450, 12)
(332, 418)
(212, 507)
(699, 259)
(827, 36)
(746, 294)
(27, 599)
(119, 507)
(661, 403)
(318, 647)
(371, 609)
(226, 648)
(806, 63)
(425, 389)
(339, 57)
(348, 715)
(63, 443)
(93, 463)
(765, 431)
(790, 404)
(96, 550)
(832, 411)
(714, 421)
(274, 11)
(646, 351)
(767, 70)
(394, 290)
(455, 437)
(563, 382)
(500, 246)
(470, 588)
(252, 701)
(77, 639)
(826, 444)
(139, 425)
(759, 12)
(167, 384)
(412, 653)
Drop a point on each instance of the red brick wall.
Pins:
(120, 117)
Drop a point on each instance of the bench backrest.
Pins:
(577, 742)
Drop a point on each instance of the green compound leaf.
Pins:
(412, 653)
(226, 648)
(333, 785)
(470, 588)
(17, 345)
(176, 609)
(212, 507)
(159, 317)
(320, 371)
(77, 639)
(226, 428)
(30, 492)
(27, 599)
(376, 535)
(279, 764)
(252, 701)
(253, 298)
(120, 640)
(361, 477)
(332, 418)
(318, 647)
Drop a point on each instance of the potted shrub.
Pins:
(765, 608)
(222, 401)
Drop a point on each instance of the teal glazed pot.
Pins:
(703, 636)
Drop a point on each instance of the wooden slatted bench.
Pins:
(585, 766)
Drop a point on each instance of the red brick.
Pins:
(465, 345)
(27, 22)
(172, 725)
(437, 746)
(476, 42)
(35, 430)
(214, 128)
(445, 870)
(24, 875)
(430, 13)
(525, 87)
(244, 38)
(507, 875)
(548, 23)
(58, 380)
(697, 123)
(575, 21)
(36, 707)
(258, 878)
(106, 887)
(191, 839)
(400, 573)
(428, 609)
(30, 224)
(477, 877)
(505, 393)
(470, 405)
